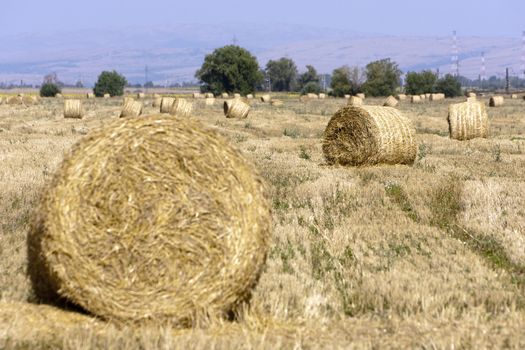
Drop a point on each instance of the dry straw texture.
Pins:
(471, 94)
(73, 109)
(496, 101)
(249, 96)
(266, 98)
(437, 97)
(415, 99)
(236, 108)
(131, 108)
(468, 120)
(59, 96)
(312, 96)
(29, 100)
(181, 108)
(390, 102)
(197, 95)
(14, 101)
(401, 97)
(277, 103)
(236, 95)
(322, 96)
(361, 96)
(157, 101)
(355, 101)
(210, 101)
(141, 95)
(153, 218)
(369, 135)
(209, 95)
(165, 104)
(225, 95)
(423, 96)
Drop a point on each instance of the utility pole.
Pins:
(455, 55)
(146, 79)
(507, 81)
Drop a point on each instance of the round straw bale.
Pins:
(131, 108)
(427, 95)
(249, 97)
(322, 96)
(181, 108)
(225, 95)
(369, 135)
(152, 218)
(390, 102)
(157, 101)
(496, 101)
(14, 101)
(471, 94)
(514, 96)
(423, 96)
(209, 101)
(21, 94)
(236, 108)
(348, 96)
(355, 101)
(141, 95)
(312, 96)
(437, 97)
(29, 100)
(277, 103)
(468, 120)
(165, 104)
(361, 96)
(106, 96)
(236, 95)
(209, 95)
(59, 96)
(415, 99)
(90, 95)
(401, 97)
(266, 98)
(73, 109)
(197, 95)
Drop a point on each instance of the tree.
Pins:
(229, 69)
(449, 85)
(49, 90)
(110, 83)
(311, 87)
(310, 76)
(282, 74)
(382, 78)
(346, 81)
(420, 83)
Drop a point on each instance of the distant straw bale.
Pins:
(514, 96)
(249, 96)
(468, 120)
(209, 101)
(322, 96)
(209, 95)
(181, 108)
(496, 101)
(266, 98)
(471, 94)
(361, 96)
(415, 99)
(312, 96)
(427, 96)
(401, 97)
(165, 104)
(59, 96)
(29, 100)
(73, 109)
(106, 96)
(369, 135)
(131, 109)
(236, 95)
(355, 101)
(151, 219)
(197, 95)
(90, 95)
(14, 101)
(348, 96)
(437, 97)
(423, 96)
(225, 95)
(391, 101)
(236, 108)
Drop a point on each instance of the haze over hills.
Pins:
(173, 54)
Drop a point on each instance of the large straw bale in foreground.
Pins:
(131, 108)
(236, 108)
(73, 109)
(369, 135)
(496, 101)
(151, 218)
(468, 120)
(391, 101)
(181, 108)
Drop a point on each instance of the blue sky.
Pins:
(411, 17)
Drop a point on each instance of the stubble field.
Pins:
(424, 256)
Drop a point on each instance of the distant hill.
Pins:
(173, 54)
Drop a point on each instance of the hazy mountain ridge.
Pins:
(173, 54)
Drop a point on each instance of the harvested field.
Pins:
(430, 255)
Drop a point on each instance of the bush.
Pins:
(449, 85)
(229, 69)
(49, 90)
(420, 83)
(382, 78)
(110, 83)
(308, 77)
(311, 88)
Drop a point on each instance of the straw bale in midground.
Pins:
(236, 108)
(369, 135)
(496, 101)
(152, 218)
(468, 120)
